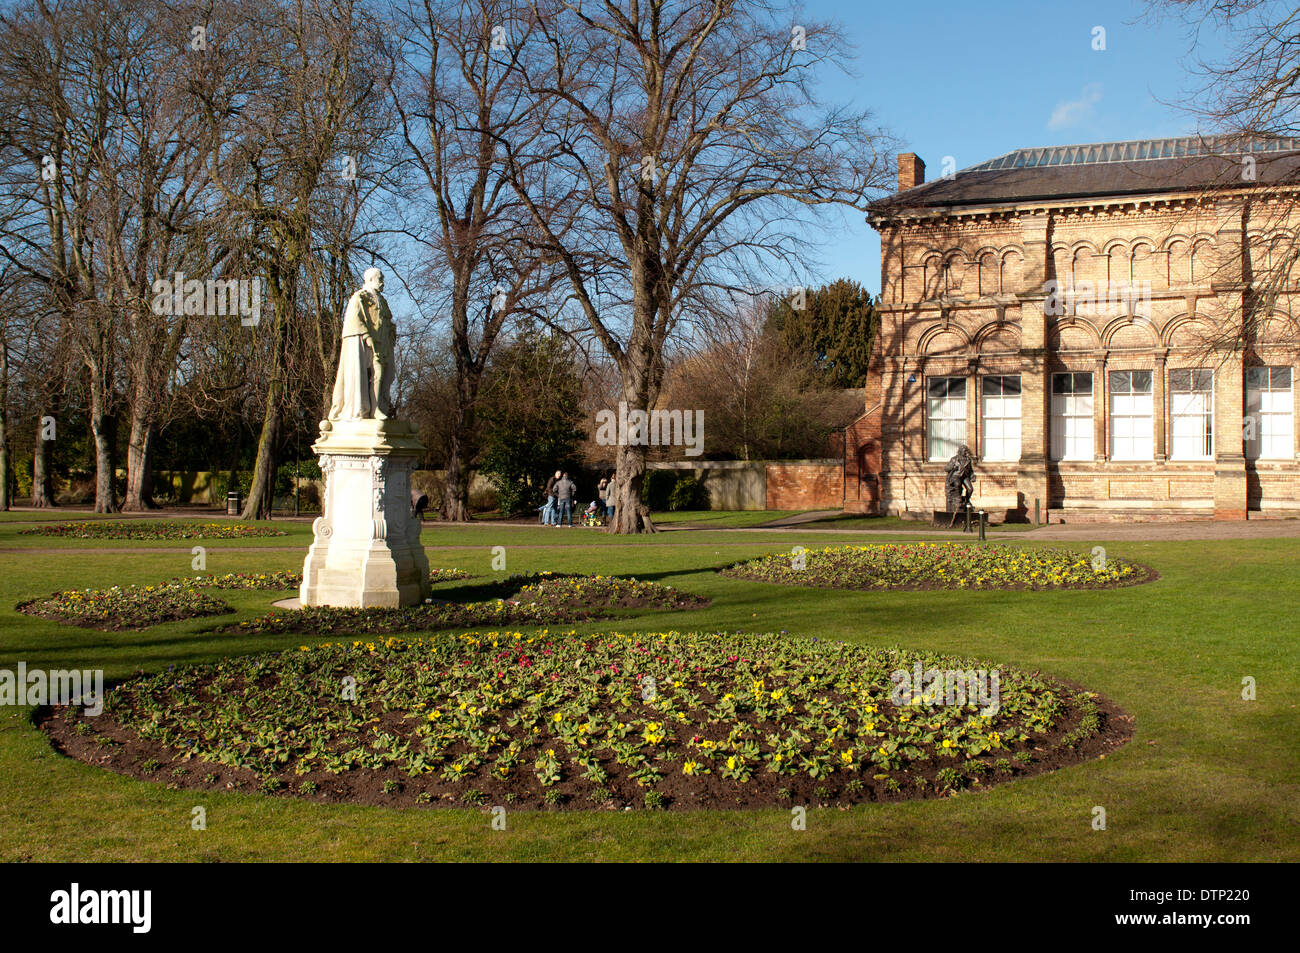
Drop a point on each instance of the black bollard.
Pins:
(983, 524)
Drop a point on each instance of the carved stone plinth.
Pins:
(367, 548)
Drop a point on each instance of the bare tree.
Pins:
(1248, 99)
(683, 147)
(291, 106)
(154, 182)
(457, 92)
(56, 67)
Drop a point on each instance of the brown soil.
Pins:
(105, 743)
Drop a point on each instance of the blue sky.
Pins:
(976, 80)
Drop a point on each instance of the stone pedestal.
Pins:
(367, 550)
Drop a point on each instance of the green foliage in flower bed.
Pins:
(278, 580)
(281, 580)
(124, 608)
(151, 530)
(328, 620)
(940, 566)
(447, 575)
(699, 718)
(534, 599)
(612, 591)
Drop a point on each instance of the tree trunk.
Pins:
(4, 427)
(260, 493)
(262, 489)
(630, 514)
(461, 448)
(101, 427)
(42, 487)
(139, 464)
(455, 493)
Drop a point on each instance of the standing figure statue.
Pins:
(365, 373)
(959, 483)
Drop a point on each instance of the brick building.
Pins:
(1091, 322)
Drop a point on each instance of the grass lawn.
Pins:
(1207, 777)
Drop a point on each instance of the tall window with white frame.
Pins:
(945, 416)
(1131, 405)
(1270, 425)
(1001, 413)
(1191, 414)
(1072, 416)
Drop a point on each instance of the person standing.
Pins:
(565, 491)
(550, 510)
(609, 495)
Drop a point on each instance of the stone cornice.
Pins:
(921, 215)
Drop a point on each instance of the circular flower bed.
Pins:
(126, 608)
(151, 529)
(941, 566)
(681, 720)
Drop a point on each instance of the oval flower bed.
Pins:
(540, 599)
(940, 566)
(126, 608)
(281, 580)
(151, 529)
(680, 720)
(328, 620)
(609, 591)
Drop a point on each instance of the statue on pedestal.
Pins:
(367, 550)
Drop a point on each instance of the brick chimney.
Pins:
(911, 170)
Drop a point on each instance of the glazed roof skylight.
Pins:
(1134, 150)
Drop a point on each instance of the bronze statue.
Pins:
(959, 483)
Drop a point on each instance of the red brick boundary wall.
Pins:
(815, 485)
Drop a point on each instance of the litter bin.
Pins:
(234, 505)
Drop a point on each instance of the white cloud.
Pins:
(1072, 112)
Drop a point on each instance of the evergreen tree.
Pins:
(531, 417)
(835, 330)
